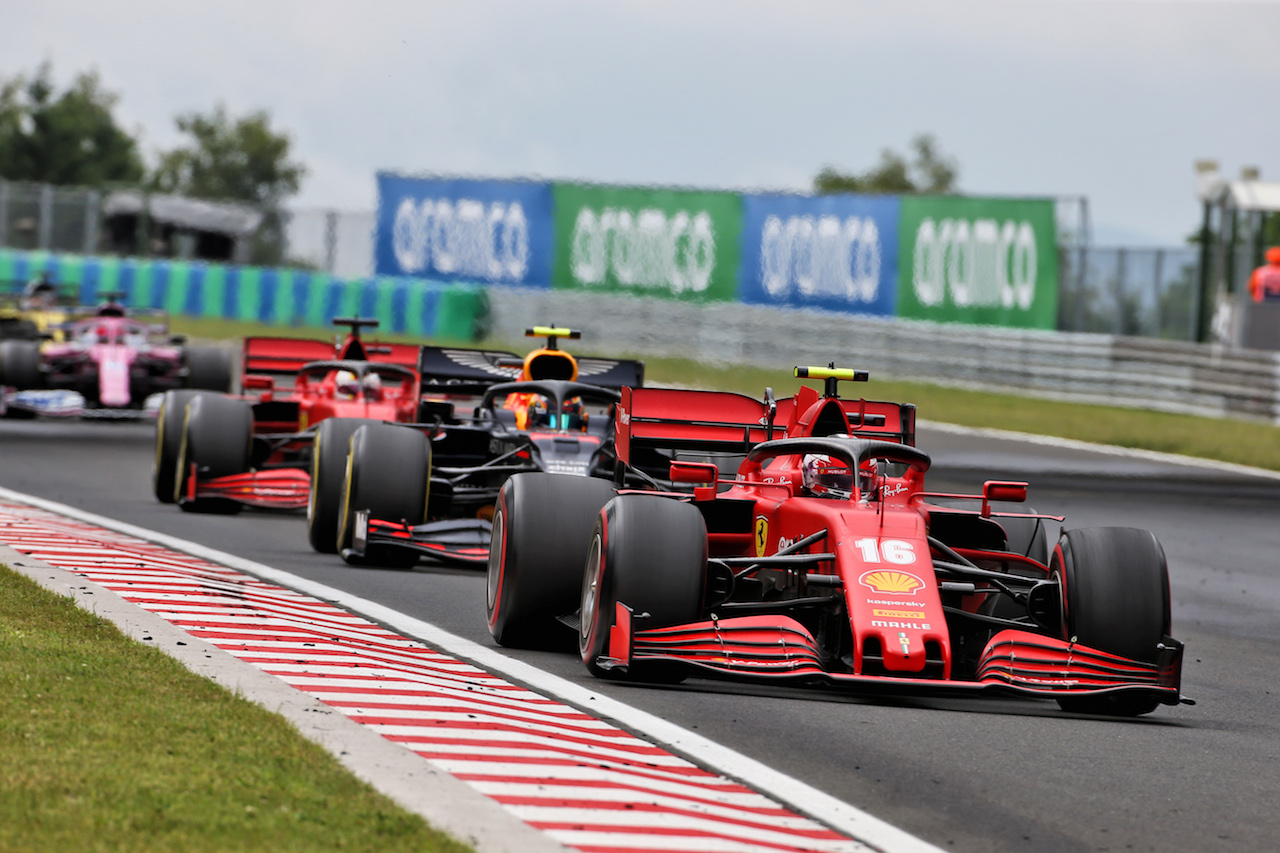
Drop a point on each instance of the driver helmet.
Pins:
(40, 293)
(346, 384)
(1273, 255)
(822, 474)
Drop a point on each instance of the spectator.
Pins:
(1264, 284)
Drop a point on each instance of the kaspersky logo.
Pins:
(979, 263)
(644, 249)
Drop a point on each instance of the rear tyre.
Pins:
(328, 472)
(208, 368)
(541, 532)
(649, 553)
(388, 473)
(15, 329)
(217, 436)
(1115, 598)
(20, 364)
(164, 474)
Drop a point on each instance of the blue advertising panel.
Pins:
(495, 232)
(835, 252)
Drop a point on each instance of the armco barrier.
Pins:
(276, 297)
(1139, 372)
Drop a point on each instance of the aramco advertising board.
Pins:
(456, 229)
(988, 261)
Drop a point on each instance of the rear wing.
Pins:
(405, 355)
(611, 372)
(812, 415)
(678, 419)
(455, 370)
(282, 358)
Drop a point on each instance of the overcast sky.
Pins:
(1109, 99)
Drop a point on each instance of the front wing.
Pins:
(463, 541)
(273, 488)
(780, 648)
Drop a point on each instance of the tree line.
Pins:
(71, 137)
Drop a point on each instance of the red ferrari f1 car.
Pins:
(825, 559)
(216, 453)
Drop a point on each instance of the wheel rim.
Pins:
(348, 484)
(591, 587)
(1063, 628)
(497, 549)
(155, 474)
(315, 479)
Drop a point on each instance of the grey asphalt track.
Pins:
(988, 774)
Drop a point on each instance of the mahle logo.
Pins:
(827, 256)
(462, 237)
(982, 263)
(645, 249)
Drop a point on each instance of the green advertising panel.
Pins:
(987, 261)
(680, 244)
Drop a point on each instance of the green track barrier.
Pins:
(282, 297)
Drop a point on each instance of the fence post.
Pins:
(92, 210)
(1121, 274)
(1159, 291)
(330, 241)
(44, 232)
(4, 214)
(1081, 295)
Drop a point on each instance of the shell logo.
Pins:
(891, 582)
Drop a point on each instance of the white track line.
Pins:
(1107, 449)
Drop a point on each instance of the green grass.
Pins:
(1229, 440)
(107, 744)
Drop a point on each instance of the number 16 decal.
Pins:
(896, 551)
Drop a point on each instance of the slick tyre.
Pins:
(328, 473)
(541, 532)
(389, 474)
(208, 368)
(217, 435)
(164, 473)
(20, 365)
(650, 554)
(1115, 598)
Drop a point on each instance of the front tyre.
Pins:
(169, 419)
(389, 474)
(541, 531)
(1115, 598)
(217, 436)
(20, 365)
(328, 472)
(649, 553)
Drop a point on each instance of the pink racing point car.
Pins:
(826, 560)
(106, 365)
